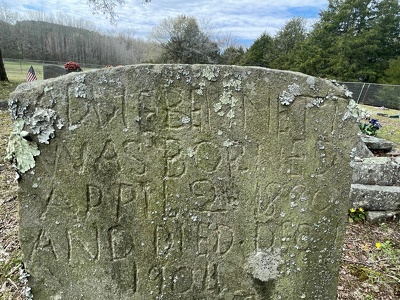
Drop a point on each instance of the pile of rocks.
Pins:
(375, 183)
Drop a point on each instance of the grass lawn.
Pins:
(16, 73)
(390, 126)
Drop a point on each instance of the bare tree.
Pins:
(107, 7)
(36, 15)
(225, 40)
(183, 41)
(56, 37)
(7, 15)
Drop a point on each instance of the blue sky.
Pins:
(243, 20)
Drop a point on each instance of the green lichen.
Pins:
(353, 111)
(265, 265)
(211, 73)
(42, 124)
(287, 97)
(20, 150)
(80, 88)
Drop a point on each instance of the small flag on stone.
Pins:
(31, 76)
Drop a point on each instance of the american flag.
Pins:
(31, 76)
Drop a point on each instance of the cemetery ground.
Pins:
(370, 267)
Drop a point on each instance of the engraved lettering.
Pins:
(319, 201)
(267, 202)
(207, 239)
(121, 242)
(55, 201)
(83, 240)
(108, 162)
(156, 278)
(148, 110)
(213, 278)
(94, 196)
(264, 236)
(236, 154)
(45, 244)
(178, 113)
(204, 192)
(214, 238)
(175, 181)
(225, 239)
(283, 121)
(303, 236)
(77, 111)
(134, 151)
(77, 154)
(182, 280)
(207, 157)
(175, 165)
(105, 113)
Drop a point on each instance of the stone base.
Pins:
(383, 171)
(375, 143)
(375, 197)
(382, 216)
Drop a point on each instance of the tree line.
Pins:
(40, 40)
(353, 40)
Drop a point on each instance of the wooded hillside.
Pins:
(353, 41)
(38, 40)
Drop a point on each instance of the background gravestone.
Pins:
(51, 71)
(183, 182)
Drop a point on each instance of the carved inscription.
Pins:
(83, 241)
(108, 162)
(121, 242)
(214, 238)
(207, 156)
(166, 180)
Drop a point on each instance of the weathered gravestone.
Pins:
(183, 182)
(51, 71)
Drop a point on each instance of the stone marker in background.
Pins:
(52, 71)
(183, 182)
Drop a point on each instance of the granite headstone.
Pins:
(183, 182)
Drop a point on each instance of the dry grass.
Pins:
(367, 272)
(10, 254)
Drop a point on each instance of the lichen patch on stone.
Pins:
(264, 265)
(42, 124)
(288, 96)
(211, 73)
(315, 102)
(80, 88)
(294, 89)
(311, 82)
(353, 111)
(20, 150)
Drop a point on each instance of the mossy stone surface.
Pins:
(185, 182)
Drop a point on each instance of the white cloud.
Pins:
(243, 19)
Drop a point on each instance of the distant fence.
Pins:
(373, 94)
(48, 62)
